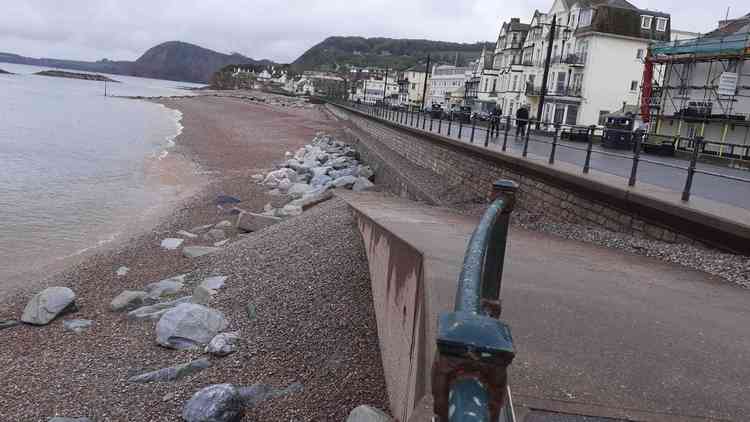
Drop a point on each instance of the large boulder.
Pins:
(48, 304)
(165, 287)
(173, 373)
(320, 180)
(215, 403)
(251, 222)
(345, 181)
(127, 300)
(274, 178)
(189, 325)
(171, 243)
(366, 413)
(154, 312)
(362, 185)
(215, 235)
(299, 189)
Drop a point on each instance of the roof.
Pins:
(516, 25)
(740, 25)
(420, 68)
(733, 37)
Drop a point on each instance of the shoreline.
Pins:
(227, 140)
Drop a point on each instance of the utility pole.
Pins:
(105, 87)
(426, 76)
(385, 85)
(546, 70)
(364, 93)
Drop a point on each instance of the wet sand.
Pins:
(47, 371)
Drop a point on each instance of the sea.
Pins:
(78, 169)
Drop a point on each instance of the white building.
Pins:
(372, 91)
(596, 63)
(444, 81)
(416, 77)
(702, 88)
(481, 88)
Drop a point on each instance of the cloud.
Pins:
(280, 30)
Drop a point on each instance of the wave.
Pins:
(177, 115)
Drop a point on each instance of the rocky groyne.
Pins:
(73, 75)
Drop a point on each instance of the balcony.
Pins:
(575, 59)
(554, 91)
(528, 62)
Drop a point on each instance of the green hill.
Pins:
(335, 52)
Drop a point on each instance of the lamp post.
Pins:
(426, 77)
(543, 94)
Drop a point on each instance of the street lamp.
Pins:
(547, 62)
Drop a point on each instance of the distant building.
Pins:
(416, 77)
(444, 80)
(372, 91)
(481, 88)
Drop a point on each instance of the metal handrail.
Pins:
(475, 348)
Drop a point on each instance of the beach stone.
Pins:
(215, 235)
(171, 243)
(64, 419)
(215, 282)
(122, 271)
(48, 304)
(362, 185)
(280, 200)
(189, 325)
(169, 286)
(127, 299)
(221, 243)
(223, 344)
(320, 171)
(187, 234)
(226, 200)
(155, 311)
(366, 413)
(366, 172)
(274, 178)
(340, 163)
(314, 198)
(345, 181)
(172, 373)
(349, 171)
(224, 224)
(215, 403)
(8, 324)
(77, 325)
(197, 251)
(257, 393)
(322, 180)
(251, 222)
(289, 211)
(285, 185)
(299, 189)
(202, 295)
(257, 178)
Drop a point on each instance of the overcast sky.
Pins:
(279, 30)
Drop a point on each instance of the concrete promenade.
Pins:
(598, 332)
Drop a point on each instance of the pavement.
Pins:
(598, 332)
(619, 163)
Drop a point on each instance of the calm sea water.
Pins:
(74, 164)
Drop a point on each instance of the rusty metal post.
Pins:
(697, 142)
(636, 160)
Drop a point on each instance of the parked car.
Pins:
(461, 114)
(618, 132)
(436, 112)
(656, 144)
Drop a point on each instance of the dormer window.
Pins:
(584, 18)
(646, 21)
(661, 24)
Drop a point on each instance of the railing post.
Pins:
(460, 128)
(526, 139)
(487, 137)
(473, 128)
(636, 159)
(411, 118)
(587, 164)
(450, 123)
(424, 120)
(431, 120)
(440, 125)
(554, 144)
(507, 130)
(691, 169)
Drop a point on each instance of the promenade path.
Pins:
(598, 332)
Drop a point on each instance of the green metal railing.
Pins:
(475, 348)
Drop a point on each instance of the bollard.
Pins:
(526, 138)
(698, 141)
(587, 164)
(554, 143)
(636, 159)
(507, 130)
(473, 128)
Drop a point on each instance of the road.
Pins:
(620, 163)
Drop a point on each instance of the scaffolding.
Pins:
(682, 87)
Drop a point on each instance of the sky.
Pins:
(279, 30)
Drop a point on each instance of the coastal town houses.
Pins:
(596, 65)
(481, 88)
(702, 88)
(416, 77)
(447, 85)
(373, 91)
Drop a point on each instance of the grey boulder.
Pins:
(215, 282)
(168, 286)
(215, 403)
(173, 373)
(215, 235)
(257, 393)
(251, 222)
(189, 325)
(366, 413)
(345, 181)
(223, 344)
(128, 299)
(362, 185)
(197, 251)
(47, 305)
(154, 312)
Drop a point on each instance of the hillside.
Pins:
(173, 60)
(384, 52)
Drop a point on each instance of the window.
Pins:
(634, 86)
(494, 85)
(639, 55)
(661, 24)
(584, 19)
(646, 21)
(515, 82)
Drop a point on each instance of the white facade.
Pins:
(444, 81)
(371, 91)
